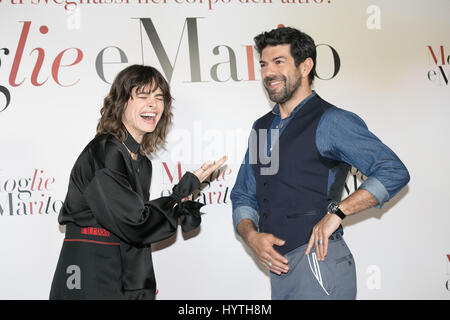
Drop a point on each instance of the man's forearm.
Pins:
(358, 201)
(245, 228)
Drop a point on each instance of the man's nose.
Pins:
(268, 71)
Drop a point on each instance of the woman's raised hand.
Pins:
(209, 167)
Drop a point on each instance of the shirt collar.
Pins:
(130, 143)
(276, 108)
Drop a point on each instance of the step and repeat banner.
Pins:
(387, 61)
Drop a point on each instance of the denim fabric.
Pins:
(243, 194)
(342, 136)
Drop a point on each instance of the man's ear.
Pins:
(306, 67)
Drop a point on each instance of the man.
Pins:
(291, 216)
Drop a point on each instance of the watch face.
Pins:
(332, 207)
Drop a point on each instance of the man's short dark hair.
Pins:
(302, 45)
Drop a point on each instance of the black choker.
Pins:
(131, 144)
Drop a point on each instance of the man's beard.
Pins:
(286, 92)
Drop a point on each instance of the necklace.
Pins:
(132, 154)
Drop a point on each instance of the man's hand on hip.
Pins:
(320, 234)
(262, 245)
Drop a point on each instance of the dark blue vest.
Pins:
(294, 199)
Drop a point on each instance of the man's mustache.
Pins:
(274, 78)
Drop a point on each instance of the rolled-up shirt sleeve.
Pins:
(343, 136)
(243, 194)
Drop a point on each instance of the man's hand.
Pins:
(322, 231)
(262, 245)
(358, 201)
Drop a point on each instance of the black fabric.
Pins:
(131, 144)
(109, 189)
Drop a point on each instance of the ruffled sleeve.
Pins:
(117, 207)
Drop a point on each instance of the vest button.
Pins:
(266, 184)
(265, 200)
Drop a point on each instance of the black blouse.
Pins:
(108, 188)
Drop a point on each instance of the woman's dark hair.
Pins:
(302, 45)
(139, 77)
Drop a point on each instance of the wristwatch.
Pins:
(333, 207)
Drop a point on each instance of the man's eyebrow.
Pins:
(279, 57)
(273, 59)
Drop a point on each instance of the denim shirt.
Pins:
(341, 135)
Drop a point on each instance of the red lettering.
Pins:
(169, 175)
(42, 204)
(250, 63)
(19, 53)
(57, 65)
(95, 231)
(220, 194)
(168, 172)
(179, 171)
(48, 181)
(33, 181)
(434, 56)
(37, 67)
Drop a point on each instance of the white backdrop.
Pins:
(394, 68)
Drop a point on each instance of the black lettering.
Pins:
(3, 89)
(336, 60)
(166, 65)
(99, 63)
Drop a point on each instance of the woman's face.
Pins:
(143, 111)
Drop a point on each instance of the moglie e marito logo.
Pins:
(215, 189)
(440, 63)
(28, 195)
(47, 70)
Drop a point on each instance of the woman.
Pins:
(110, 222)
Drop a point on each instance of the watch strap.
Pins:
(339, 213)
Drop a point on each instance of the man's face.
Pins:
(280, 76)
(143, 111)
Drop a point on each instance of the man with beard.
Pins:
(291, 218)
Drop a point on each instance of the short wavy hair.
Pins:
(302, 45)
(139, 77)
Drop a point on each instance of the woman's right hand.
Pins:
(209, 167)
